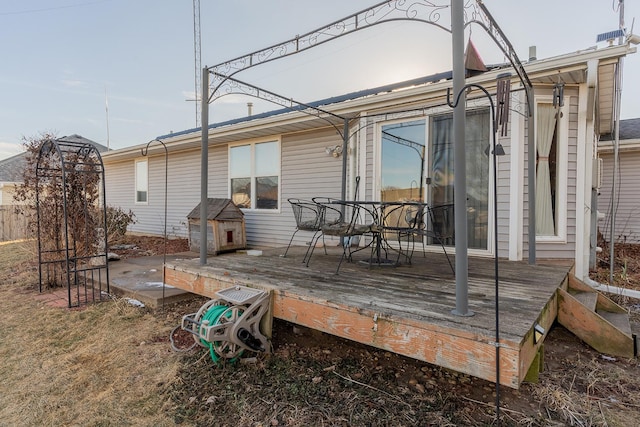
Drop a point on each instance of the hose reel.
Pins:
(230, 324)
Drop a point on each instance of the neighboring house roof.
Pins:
(628, 136)
(81, 139)
(629, 129)
(11, 169)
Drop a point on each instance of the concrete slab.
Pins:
(141, 279)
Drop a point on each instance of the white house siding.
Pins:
(307, 171)
(504, 188)
(566, 248)
(183, 192)
(627, 225)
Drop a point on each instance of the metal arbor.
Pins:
(71, 219)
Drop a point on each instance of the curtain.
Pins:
(544, 213)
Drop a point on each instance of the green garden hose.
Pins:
(213, 316)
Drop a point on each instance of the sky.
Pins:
(121, 72)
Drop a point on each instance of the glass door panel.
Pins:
(440, 175)
(402, 170)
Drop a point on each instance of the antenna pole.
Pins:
(106, 109)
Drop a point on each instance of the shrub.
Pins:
(117, 222)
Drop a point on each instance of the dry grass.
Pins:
(102, 365)
(111, 364)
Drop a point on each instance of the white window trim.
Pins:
(562, 168)
(135, 179)
(253, 143)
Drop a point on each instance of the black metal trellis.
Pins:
(72, 220)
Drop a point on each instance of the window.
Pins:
(142, 181)
(550, 172)
(254, 171)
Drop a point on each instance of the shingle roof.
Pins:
(629, 129)
(11, 168)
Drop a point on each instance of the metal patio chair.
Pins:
(401, 219)
(346, 226)
(308, 216)
(433, 222)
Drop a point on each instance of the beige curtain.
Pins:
(544, 213)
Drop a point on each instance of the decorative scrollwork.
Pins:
(416, 10)
(426, 11)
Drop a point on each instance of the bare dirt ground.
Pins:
(112, 364)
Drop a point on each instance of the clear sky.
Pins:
(62, 59)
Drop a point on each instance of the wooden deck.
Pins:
(405, 309)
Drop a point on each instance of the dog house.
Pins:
(225, 227)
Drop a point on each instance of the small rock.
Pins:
(211, 399)
(316, 380)
(274, 422)
(326, 351)
(420, 388)
(413, 381)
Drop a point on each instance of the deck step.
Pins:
(619, 320)
(588, 299)
(607, 330)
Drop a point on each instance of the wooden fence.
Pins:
(14, 223)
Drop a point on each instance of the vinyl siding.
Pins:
(566, 248)
(183, 192)
(627, 224)
(504, 188)
(307, 171)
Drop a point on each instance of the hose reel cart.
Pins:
(230, 324)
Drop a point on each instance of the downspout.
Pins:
(345, 151)
(531, 179)
(616, 153)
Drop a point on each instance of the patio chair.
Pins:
(401, 219)
(344, 225)
(433, 222)
(308, 215)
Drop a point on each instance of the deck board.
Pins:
(412, 302)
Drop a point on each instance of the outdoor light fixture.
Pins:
(538, 333)
(335, 151)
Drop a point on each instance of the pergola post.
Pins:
(204, 164)
(459, 160)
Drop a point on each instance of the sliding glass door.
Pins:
(414, 170)
(440, 173)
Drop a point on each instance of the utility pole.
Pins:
(197, 57)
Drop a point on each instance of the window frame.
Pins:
(135, 184)
(562, 166)
(253, 176)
